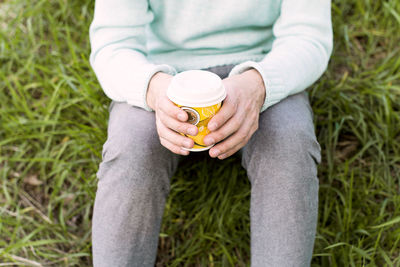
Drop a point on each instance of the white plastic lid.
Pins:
(196, 88)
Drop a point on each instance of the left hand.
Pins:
(237, 120)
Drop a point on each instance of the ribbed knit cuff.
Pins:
(142, 81)
(274, 86)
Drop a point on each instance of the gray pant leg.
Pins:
(132, 189)
(281, 161)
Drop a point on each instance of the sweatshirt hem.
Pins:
(192, 63)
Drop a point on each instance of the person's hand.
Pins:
(170, 120)
(237, 119)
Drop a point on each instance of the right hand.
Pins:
(170, 119)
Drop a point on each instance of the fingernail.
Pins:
(223, 156)
(181, 116)
(184, 152)
(214, 152)
(188, 144)
(209, 141)
(212, 126)
(192, 131)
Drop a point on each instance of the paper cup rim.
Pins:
(197, 149)
(194, 104)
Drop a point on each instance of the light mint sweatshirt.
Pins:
(288, 42)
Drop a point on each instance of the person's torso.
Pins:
(211, 27)
(197, 33)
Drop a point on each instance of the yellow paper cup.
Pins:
(200, 94)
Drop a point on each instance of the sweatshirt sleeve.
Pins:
(300, 52)
(118, 50)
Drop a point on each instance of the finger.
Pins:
(240, 137)
(232, 151)
(173, 148)
(177, 126)
(230, 127)
(236, 148)
(227, 110)
(172, 110)
(226, 146)
(174, 137)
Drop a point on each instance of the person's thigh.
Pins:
(281, 161)
(132, 188)
(133, 143)
(285, 128)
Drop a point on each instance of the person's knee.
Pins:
(296, 141)
(134, 159)
(285, 148)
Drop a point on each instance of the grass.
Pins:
(53, 119)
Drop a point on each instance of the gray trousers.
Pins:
(134, 181)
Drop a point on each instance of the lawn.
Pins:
(53, 119)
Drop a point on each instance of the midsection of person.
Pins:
(202, 30)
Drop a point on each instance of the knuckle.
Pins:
(248, 107)
(162, 120)
(173, 111)
(222, 149)
(176, 150)
(158, 120)
(255, 128)
(225, 147)
(162, 133)
(176, 110)
(161, 104)
(173, 140)
(169, 123)
(167, 107)
(224, 117)
(231, 152)
(159, 132)
(225, 109)
(235, 106)
(182, 142)
(219, 136)
(217, 118)
(242, 136)
(182, 128)
(249, 136)
(163, 143)
(231, 109)
(169, 146)
(179, 139)
(254, 117)
(243, 143)
(236, 124)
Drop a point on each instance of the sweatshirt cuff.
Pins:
(273, 82)
(143, 80)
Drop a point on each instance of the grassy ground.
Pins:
(53, 123)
